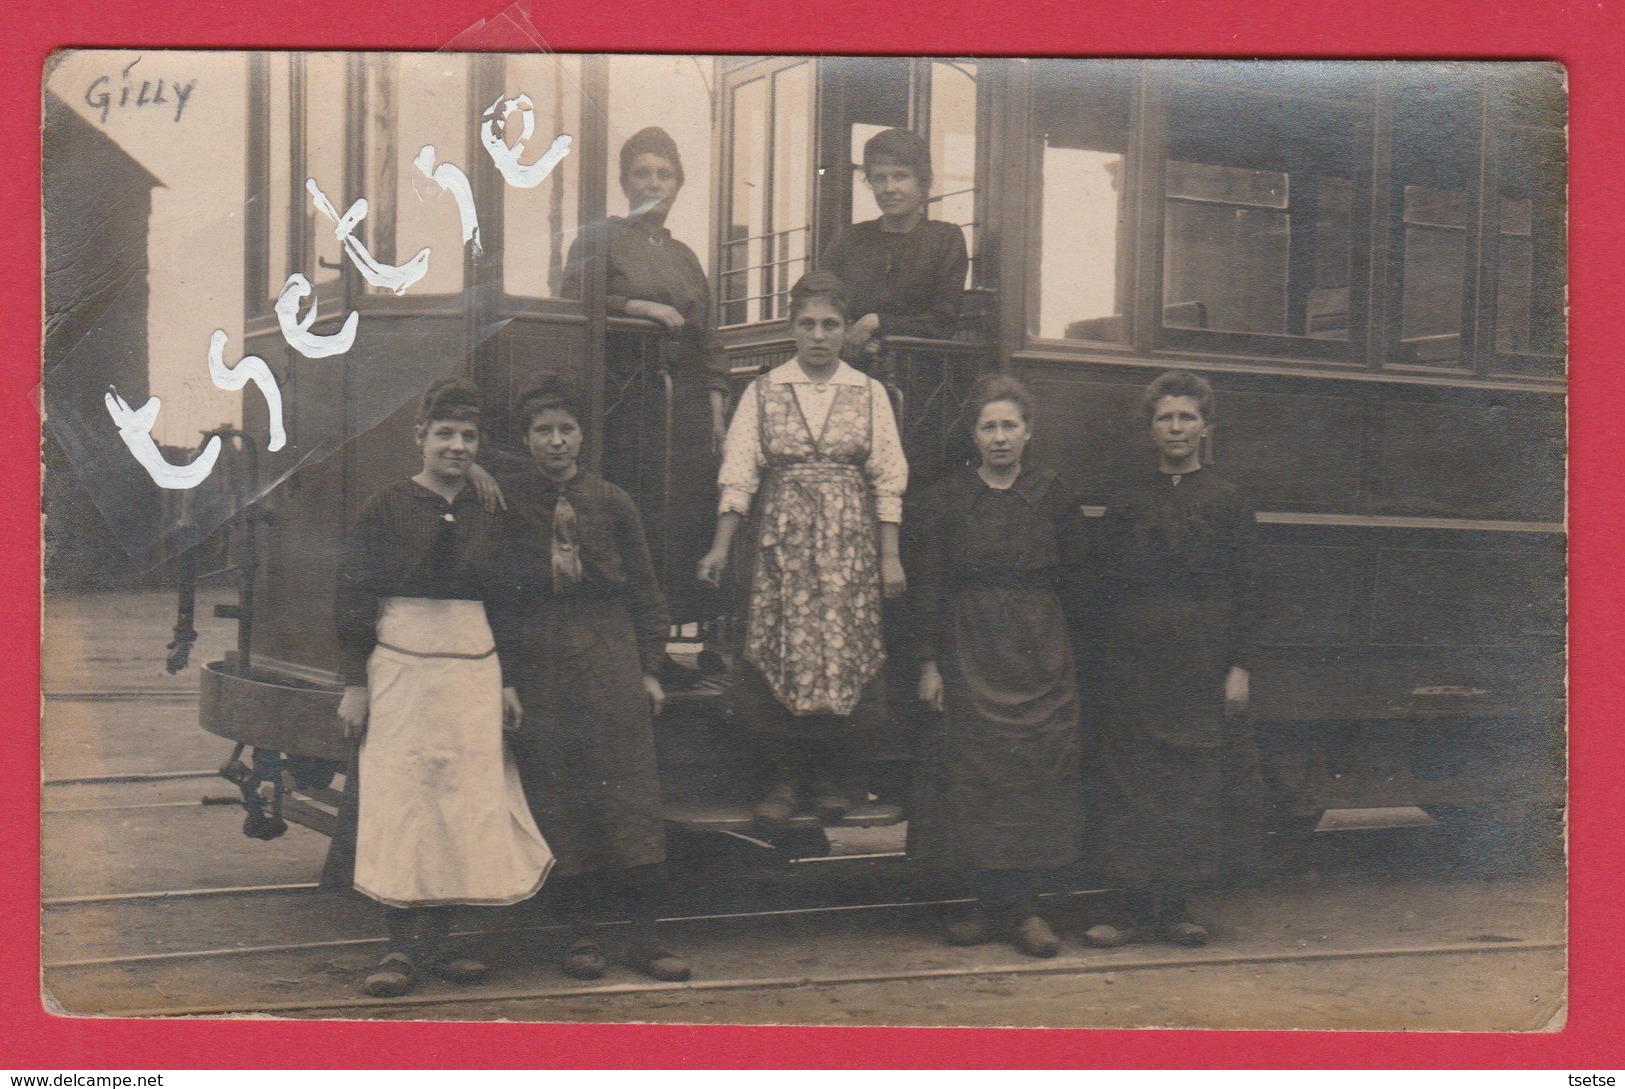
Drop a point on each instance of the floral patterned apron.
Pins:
(814, 627)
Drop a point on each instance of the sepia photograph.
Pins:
(805, 540)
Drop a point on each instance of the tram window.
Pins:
(1258, 204)
(768, 196)
(326, 80)
(1434, 197)
(540, 223)
(1081, 246)
(416, 100)
(674, 93)
(1530, 248)
(952, 128)
(877, 94)
(278, 170)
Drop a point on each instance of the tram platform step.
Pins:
(723, 817)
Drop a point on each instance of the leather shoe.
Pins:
(778, 806)
(1034, 937)
(662, 964)
(1109, 936)
(972, 929)
(395, 975)
(584, 960)
(1183, 932)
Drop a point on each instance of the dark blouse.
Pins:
(1195, 538)
(409, 542)
(913, 281)
(609, 538)
(648, 263)
(965, 534)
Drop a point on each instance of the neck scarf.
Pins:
(566, 553)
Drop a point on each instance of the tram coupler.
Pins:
(262, 815)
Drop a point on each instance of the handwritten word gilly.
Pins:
(105, 94)
(135, 425)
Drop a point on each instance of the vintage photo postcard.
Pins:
(956, 541)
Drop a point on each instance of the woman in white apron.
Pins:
(443, 819)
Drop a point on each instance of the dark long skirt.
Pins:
(585, 746)
(669, 470)
(1158, 805)
(998, 786)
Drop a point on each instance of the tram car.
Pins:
(1367, 261)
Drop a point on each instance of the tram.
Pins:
(1366, 260)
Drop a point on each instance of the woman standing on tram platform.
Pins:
(651, 274)
(814, 448)
(997, 791)
(904, 273)
(1178, 554)
(442, 817)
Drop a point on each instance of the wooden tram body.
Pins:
(1366, 260)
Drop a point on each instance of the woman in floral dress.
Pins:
(814, 449)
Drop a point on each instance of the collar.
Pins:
(1031, 484)
(424, 494)
(791, 374)
(643, 227)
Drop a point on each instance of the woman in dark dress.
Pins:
(442, 819)
(904, 273)
(653, 276)
(997, 790)
(1178, 553)
(588, 631)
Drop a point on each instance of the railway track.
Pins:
(874, 941)
(547, 989)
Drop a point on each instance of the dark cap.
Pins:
(902, 146)
(653, 140)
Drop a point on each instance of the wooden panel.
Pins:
(1467, 598)
(1312, 596)
(527, 349)
(1292, 451)
(1089, 429)
(300, 553)
(1490, 458)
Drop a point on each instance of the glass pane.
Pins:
(742, 250)
(539, 223)
(1228, 185)
(1079, 247)
(1435, 184)
(864, 207)
(792, 203)
(1259, 197)
(278, 182)
(1530, 244)
(953, 148)
(877, 97)
(325, 80)
(413, 101)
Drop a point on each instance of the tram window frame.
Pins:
(1285, 87)
(275, 243)
(1527, 103)
(1434, 115)
(332, 276)
(1124, 84)
(395, 229)
(494, 79)
(772, 302)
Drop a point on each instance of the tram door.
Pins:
(791, 141)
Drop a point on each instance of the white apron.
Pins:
(443, 818)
